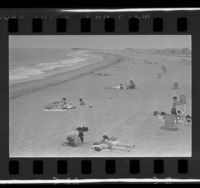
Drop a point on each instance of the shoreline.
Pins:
(23, 88)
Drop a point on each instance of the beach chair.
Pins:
(170, 123)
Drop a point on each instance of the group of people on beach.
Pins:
(180, 116)
(62, 104)
(130, 86)
(77, 136)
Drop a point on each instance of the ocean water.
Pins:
(26, 64)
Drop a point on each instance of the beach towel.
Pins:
(116, 87)
(55, 110)
(59, 108)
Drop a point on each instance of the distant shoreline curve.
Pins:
(24, 88)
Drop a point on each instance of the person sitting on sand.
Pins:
(81, 102)
(131, 85)
(77, 135)
(114, 143)
(188, 120)
(120, 86)
(160, 115)
(183, 119)
(71, 139)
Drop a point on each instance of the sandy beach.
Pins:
(125, 114)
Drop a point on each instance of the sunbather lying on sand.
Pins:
(97, 146)
(61, 103)
(113, 144)
(120, 86)
(103, 74)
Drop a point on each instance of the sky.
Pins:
(100, 41)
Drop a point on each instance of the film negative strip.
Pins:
(91, 94)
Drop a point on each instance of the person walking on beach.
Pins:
(81, 131)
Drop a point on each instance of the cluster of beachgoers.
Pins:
(180, 116)
(76, 137)
(113, 102)
(64, 105)
(112, 143)
(107, 142)
(78, 134)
